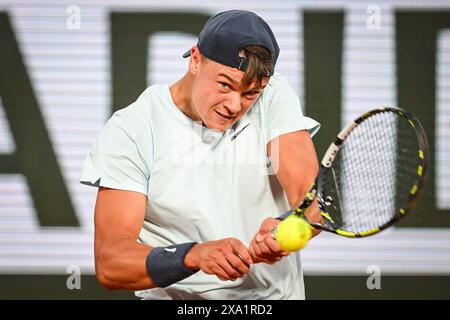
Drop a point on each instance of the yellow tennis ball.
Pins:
(293, 233)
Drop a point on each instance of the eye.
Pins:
(252, 95)
(225, 85)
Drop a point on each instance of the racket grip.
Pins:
(285, 215)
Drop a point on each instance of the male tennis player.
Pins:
(182, 206)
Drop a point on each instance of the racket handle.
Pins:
(285, 215)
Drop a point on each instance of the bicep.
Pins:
(119, 214)
(294, 161)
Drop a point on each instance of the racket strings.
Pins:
(375, 171)
(408, 172)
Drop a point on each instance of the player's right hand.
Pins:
(228, 258)
(313, 214)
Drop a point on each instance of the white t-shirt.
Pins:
(203, 185)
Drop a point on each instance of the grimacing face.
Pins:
(218, 98)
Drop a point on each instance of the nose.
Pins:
(233, 103)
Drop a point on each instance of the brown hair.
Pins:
(259, 65)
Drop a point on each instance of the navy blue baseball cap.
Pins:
(225, 34)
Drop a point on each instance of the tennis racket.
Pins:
(371, 175)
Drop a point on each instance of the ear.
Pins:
(194, 60)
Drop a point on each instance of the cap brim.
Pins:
(187, 53)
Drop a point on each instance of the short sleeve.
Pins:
(283, 112)
(122, 154)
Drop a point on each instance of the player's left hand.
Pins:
(263, 248)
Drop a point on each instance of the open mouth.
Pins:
(224, 116)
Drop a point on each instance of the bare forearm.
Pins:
(296, 192)
(122, 266)
(297, 164)
(297, 168)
